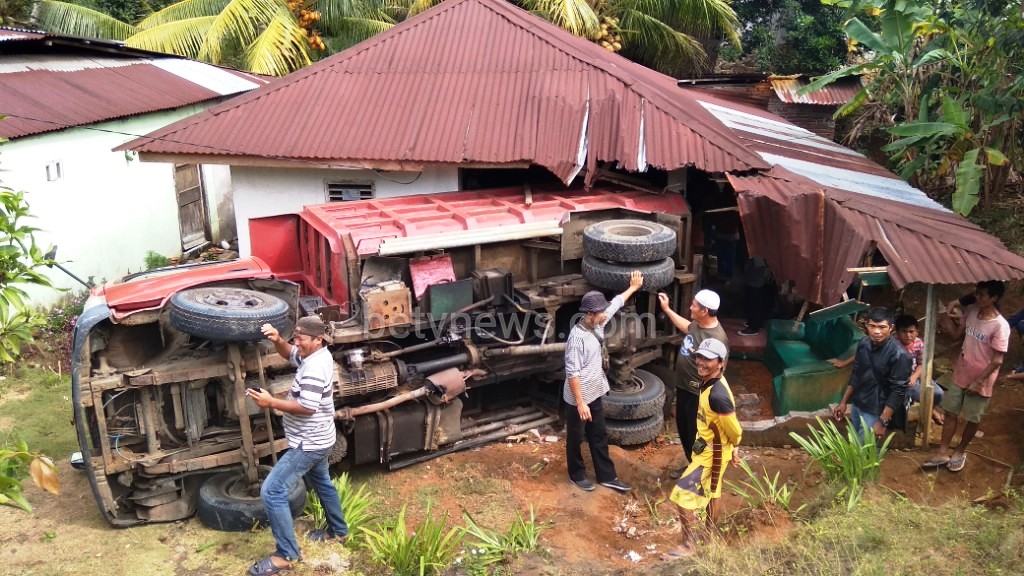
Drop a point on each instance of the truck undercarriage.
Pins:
(423, 367)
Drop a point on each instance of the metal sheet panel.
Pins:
(920, 244)
(836, 94)
(43, 93)
(468, 81)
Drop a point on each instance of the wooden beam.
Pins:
(927, 390)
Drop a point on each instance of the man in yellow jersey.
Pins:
(718, 435)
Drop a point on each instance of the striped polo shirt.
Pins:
(313, 389)
(583, 359)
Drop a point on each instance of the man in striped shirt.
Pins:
(585, 384)
(308, 417)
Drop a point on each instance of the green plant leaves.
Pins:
(968, 183)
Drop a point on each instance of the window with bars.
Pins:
(349, 191)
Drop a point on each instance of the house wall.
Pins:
(260, 192)
(108, 209)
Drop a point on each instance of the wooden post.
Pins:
(927, 390)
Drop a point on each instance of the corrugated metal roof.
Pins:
(46, 92)
(827, 163)
(467, 82)
(835, 94)
(16, 34)
(920, 244)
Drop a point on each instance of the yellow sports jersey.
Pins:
(718, 433)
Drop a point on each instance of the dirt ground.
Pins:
(596, 533)
(587, 533)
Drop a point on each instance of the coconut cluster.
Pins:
(610, 39)
(307, 23)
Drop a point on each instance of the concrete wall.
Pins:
(262, 192)
(108, 209)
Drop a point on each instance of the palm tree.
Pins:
(276, 37)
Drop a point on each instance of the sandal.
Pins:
(957, 464)
(936, 462)
(266, 567)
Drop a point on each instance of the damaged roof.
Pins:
(50, 82)
(470, 82)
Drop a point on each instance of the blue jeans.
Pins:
(1017, 321)
(859, 417)
(914, 393)
(295, 465)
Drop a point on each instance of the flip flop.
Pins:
(266, 567)
(957, 464)
(936, 462)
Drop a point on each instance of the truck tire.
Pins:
(633, 432)
(227, 314)
(225, 503)
(615, 277)
(631, 241)
(668, 376)
(637, 400)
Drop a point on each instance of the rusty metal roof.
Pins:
(467, 82)
(813, 234)
(17, 34)
(45, 88)
(835, 94)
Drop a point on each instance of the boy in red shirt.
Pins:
(907, 331)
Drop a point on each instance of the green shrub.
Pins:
(428, 549)
(853, 459)
(490, 546)
(757, 490)
(16, 464)
(155, 260)
(356, 503)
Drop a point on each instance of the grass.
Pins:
(886, 535)
(357, 503)
(426, 549)
(852, 460)
(757, 490)
(35, 406)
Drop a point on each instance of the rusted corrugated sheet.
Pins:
(17, 34)
(469, 82)
(835, 94)
(783, 224)
(48, 92)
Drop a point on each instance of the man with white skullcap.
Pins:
(705, 324)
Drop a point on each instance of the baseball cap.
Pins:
(594, 301)
(708, 299)
(312, 326)
(712, 348)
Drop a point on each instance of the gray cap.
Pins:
(594, 301)
(312, 326)
(712, 348)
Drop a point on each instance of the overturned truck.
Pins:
(448, 315)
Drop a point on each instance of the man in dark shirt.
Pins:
(878, 384)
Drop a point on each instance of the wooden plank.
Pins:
(874, 278)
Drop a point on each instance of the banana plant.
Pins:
(949, 141)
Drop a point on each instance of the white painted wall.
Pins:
(108, 209)
(260, 192)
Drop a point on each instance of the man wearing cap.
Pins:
(308, 417)
(585, 384)
(704, 311)
(718, 435)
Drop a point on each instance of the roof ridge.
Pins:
(628, 72)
